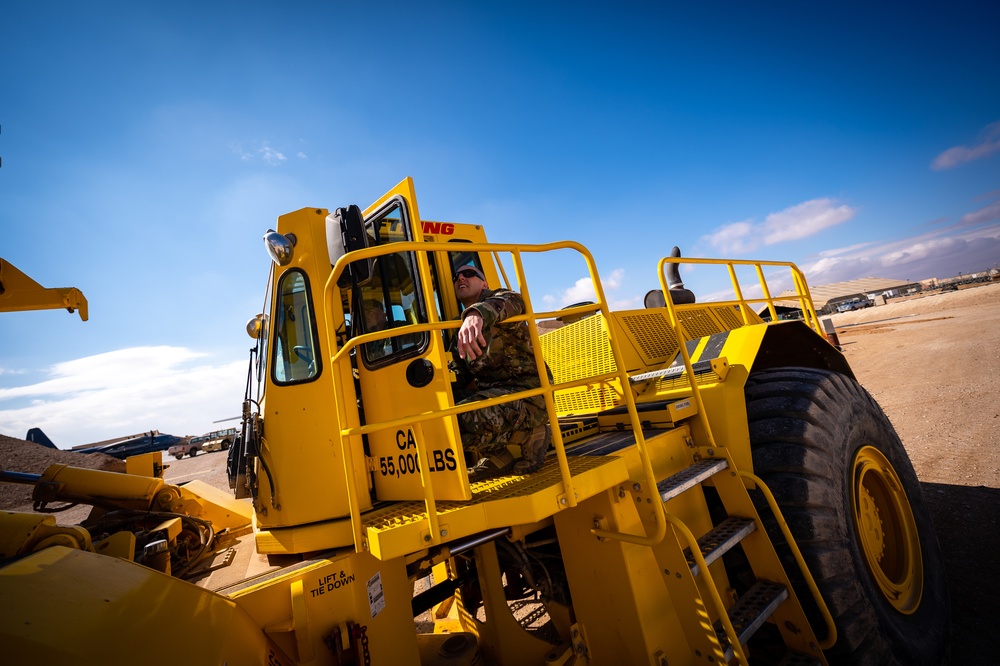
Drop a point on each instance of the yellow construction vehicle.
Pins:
(20, 292)
(719, 490)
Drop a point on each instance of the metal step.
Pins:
(751, 611)
(689, 477)
(699, 368)
(720, 540)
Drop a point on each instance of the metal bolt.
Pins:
(711, 452)
(562, 500)
(444, 533)
(636, 487)
(427, 537)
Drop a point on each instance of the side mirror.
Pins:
(347, 226)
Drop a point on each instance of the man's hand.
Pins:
(470, 337)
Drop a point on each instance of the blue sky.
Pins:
(146, 149)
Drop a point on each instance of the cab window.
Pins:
(392, 297)
(295, 358)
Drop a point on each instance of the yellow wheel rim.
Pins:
(886, 530)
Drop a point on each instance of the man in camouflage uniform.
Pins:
(497, 359)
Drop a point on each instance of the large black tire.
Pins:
(853, 503)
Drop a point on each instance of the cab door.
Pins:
(406, 373)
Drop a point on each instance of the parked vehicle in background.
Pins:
(219, 440)
(854, 304)
(189, 447)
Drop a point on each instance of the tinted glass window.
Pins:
(295, 350)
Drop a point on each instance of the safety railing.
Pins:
(743, 303)
(421, 250)
(809, 315)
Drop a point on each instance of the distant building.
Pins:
(827, 297)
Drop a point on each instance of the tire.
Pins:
(178, 455)
(193, 452)
(853, 503)
(225, 444)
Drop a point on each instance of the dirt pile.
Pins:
(18, 455)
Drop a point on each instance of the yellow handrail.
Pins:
(713, 589)
(331, 294)
(831, 628)
(801, 288)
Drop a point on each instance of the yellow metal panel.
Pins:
(578, 351)
(20, 292)
(24, 532)
(347, 587)
(145, 464)
(302, 445)
(225, 511)
(619, 597)
(60, 604)
(304, 538)
(511, 500)
(119, 544)
(397, 465)
(650, 332)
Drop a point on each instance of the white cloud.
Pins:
(171, 389)
(583, 290)
(271, 156)
(733, 238)
(804, 220)
(793, 223)
(265, 153)
(988, 213)
(987, 144)
(939, 253)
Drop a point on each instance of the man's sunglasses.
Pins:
(467, 274)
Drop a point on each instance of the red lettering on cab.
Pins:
(443, 228)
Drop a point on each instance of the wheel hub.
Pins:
(886, 530)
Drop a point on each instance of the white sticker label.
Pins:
(376, 599)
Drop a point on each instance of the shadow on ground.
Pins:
(965, 518)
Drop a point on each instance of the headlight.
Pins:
(255, 327)
(279, 247)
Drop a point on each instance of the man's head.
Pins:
(374, 313)
(469, 283)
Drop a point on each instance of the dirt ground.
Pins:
(931, 362)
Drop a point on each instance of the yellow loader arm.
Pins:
(20, 292)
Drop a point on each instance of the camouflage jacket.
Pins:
(508, 360)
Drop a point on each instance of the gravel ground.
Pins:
(931, 361)
(18, 455)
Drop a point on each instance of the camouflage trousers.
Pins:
(490, 429)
